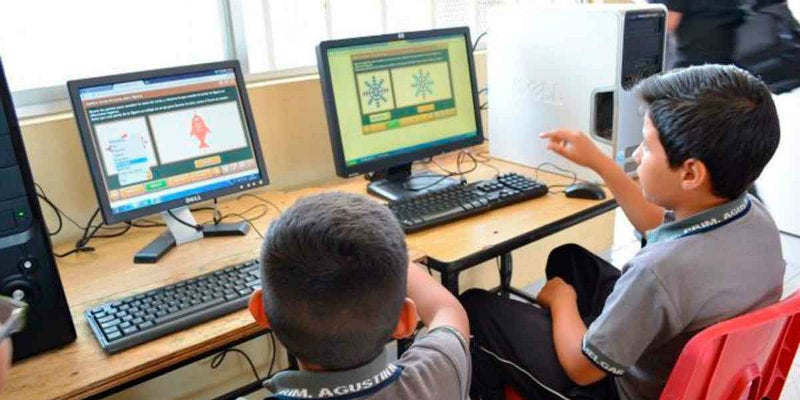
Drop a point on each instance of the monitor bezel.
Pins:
(342, 169)
(96, 170)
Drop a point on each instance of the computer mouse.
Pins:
(585, 190)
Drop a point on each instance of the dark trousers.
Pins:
(513, 341)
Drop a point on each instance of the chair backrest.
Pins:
(747, 357)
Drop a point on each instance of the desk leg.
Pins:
(450, 282)
(506, 268)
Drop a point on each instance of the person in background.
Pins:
(704, 30)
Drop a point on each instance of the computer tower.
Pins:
(27, 266)
(572, 67)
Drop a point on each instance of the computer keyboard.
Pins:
(133, 320)
(460, 201)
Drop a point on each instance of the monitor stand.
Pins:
(178, 234)
(398, 183)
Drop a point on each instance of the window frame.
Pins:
(55, 99)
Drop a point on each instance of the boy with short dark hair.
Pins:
(335, 275)
(713, 252)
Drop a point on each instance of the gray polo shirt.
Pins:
(437, 366)
(693, 273)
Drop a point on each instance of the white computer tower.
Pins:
(571, 67)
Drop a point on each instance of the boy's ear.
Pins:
(695, 175)
(407, 322)
(256, 307)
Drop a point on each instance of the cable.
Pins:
(274, 350)
(448, 173)
(485, 104)
(478, 40)
(485, 160)
(196, 227)
(263, 200)
(58, 214)
(249, 222)
(572, 174)
(217, 360)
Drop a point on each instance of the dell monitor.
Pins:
(395, 99)
(158, 141)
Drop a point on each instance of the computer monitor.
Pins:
(160, 140)
(395, 99)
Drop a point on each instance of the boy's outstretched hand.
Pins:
(575, 146)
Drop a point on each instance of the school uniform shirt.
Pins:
(693, 273)
(437, 366)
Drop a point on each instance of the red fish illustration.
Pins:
(200, 130)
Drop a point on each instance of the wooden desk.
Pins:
(82, 369)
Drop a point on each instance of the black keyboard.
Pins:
(133, 320)
(460, 201)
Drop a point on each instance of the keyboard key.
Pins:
(146, 325)
(129, 330)
(113, 336)
(188, 311)
(105, 319)
(111, 323)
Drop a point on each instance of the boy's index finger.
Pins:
(550, 135)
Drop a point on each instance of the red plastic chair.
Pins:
(747, 357)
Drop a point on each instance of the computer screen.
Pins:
(394, 99)
(162, 139)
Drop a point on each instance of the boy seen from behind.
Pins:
(713, 252)
(337, 286)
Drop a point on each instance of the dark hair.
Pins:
(720, 115)
(334, 270)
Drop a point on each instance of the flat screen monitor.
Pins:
(394, 99)
(162, 139)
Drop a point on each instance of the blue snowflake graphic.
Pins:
(375, 92)
(423, 84)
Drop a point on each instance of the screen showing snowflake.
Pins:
(402, 95)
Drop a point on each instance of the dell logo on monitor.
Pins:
(193, 199)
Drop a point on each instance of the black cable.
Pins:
(274, 350)
(217, 360)
(58, 214)
(196, 227)
(478, 40)
(249, 222)
(263, 200)
(448, 173)
(486, 161)
(571, 174)
(253, 218)
(73, 251)
(485, 104)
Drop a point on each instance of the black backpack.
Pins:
(768, 45)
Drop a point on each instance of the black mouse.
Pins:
(585, 190)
